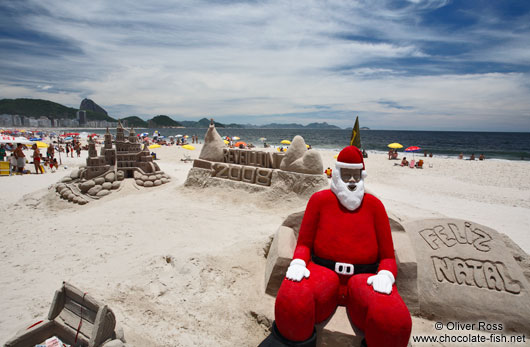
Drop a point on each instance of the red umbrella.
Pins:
(239, 143)
(412, 149)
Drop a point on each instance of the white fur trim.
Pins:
(341, 164)
(364, 174)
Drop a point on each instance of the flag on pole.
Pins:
(356, 135)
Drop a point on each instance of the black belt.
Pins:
(345, 268)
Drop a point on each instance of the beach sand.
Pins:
(184, 266)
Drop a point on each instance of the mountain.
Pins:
(134, 121)
(322, 125)
(201, 123)
(163, 121)
(36, 108)
(90, 105)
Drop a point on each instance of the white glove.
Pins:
(297, 270)
(382, 282)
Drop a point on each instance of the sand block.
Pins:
(203, 164)
(103, 192)
(293, 221)
(466, 272)
(148, 184)
(99, 180)
(407, 276)
(85, 186)
(299, 159)
(110, 177)
(115, 185)
(66, 179)
(299, 183)
(279, 258)
(120, 175)
(157, 183)
(94, 190)
(139, 182)
(74, 174)
(107, 185)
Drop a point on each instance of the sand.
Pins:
(185, 267)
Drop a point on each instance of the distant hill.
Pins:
(89, 105)
(134, 121)
(201, 123)
(322, 125)
(37, 108)
(163, 121)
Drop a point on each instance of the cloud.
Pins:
(387, 60)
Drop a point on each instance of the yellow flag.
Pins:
(356, 135)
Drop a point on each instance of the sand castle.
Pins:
(448, 270)
(104, 173)
(298, 171)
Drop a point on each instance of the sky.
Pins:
(411, 65)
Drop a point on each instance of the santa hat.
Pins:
(351, 157)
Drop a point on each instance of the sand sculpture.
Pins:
(104, 173)
(76, 318)
(298, 170)
(448, 269)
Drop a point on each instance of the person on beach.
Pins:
(344, 256)
(50, 152)
(472, 157)
(36, 159)
(13, 161)
(481, 157)
(78, 149)
(404, 162)
(67, 149)
(390, 154)
(21, 158)
(2, 152)
(53, 164)
(328, 172)
(461, 156)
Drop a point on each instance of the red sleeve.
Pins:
(308, 230)
(387, 260)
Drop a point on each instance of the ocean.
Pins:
(494, 145)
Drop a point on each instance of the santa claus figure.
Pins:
(344, 256)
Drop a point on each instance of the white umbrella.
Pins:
(13, 139)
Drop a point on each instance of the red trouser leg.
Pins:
(299, 305)
(385, 319)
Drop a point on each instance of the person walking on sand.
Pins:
(50, 152)
(36, 159)
(2, 152)
(21, 158)
(77, 149)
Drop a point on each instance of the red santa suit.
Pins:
(332, 233)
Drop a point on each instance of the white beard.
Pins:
(349, 199)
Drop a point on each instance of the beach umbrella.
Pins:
(153, 146)
(235, 138)
(190, 147)
(412, 149)
(35, 139)
(336, 156)
(41, 144)
(395, 145)
(69, 138)
(286, 142)
(226, 142)
(239, 143)
(262, 139)
(13, 139)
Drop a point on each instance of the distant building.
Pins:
(81, 117)
(16, 120)
(44, 122)
(6, 120)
